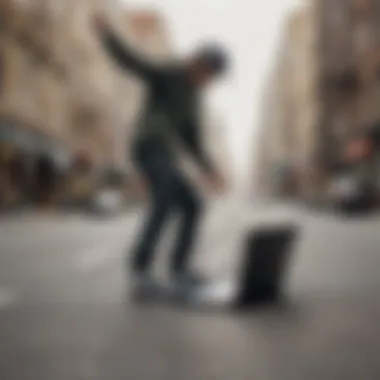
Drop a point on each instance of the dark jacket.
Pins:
(172, 109)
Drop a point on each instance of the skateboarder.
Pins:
(170, 116)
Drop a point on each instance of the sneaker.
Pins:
(187, 284)
(144, 286)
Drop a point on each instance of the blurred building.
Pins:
(59, 88)
(290, 110)
(303, 113)
(271, 148)
(349, 86)
(328, 90)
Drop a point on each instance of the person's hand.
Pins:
(99, 21)
(215, 183)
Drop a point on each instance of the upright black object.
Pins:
(263, 266)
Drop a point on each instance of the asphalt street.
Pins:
(65, 312)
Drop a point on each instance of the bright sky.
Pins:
(250, 30)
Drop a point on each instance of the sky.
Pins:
(250, 30)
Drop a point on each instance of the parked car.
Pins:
(348, 195)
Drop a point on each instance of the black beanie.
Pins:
(214, 57)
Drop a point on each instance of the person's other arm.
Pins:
(194, 144)
(124, 55)
(213, 178)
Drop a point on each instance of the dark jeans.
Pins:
(169, 191)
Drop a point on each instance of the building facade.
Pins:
(57, 77)
(331, 89)
(290, 110)
(349, 90)
(271, 145)
(57, 80)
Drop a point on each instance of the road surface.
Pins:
(65, 314)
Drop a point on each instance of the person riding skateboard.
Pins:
(171, 115)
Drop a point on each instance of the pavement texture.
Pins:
(65, 312)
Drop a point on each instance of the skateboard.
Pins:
(216, 293)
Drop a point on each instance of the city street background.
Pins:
(294, 127)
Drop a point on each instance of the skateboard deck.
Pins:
(216, 293)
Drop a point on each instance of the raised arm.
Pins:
(124, 54)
